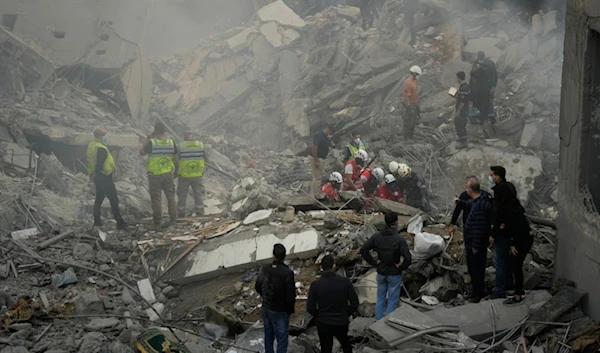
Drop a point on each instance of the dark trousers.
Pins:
(476, 266)
(326, 334)
(460, 124)
(409, 18)
(504, 279)
(105, 187)
(516, 263)
(411, 115)
(276, 327)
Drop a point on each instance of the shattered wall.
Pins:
(578, 248)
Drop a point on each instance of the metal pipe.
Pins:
(418, 334)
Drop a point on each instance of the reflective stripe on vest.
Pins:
(191, 159)
(92, 158)
(161, 158)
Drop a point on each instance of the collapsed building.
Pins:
(255, 94)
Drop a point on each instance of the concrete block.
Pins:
(366, 288)
(258, 217)
(228, 255)
(146, 290)
(152, 314)
(238, 193)
(247, 183)
(290, 36)
(241, 40)
(282, 14)
(532, 135)
(473, 33)
(474, 319)
(24, 234)
(17, 155)
(38, 68)
(241, 206)
(383, 334)
(399, 208)
(271, 33)
(553, 309)
(380, 81)
(348, 114)
(549, 22)
(296, 116)
(264, 54)
(485, 44)
(88, 303)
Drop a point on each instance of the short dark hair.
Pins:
(391, 218)
(499, 171)
(354, 133)
(480, 55)
(279, 251)
(160, 128)
(327, 263)
(461, 75)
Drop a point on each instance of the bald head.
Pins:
(473, 185)
(99, 132)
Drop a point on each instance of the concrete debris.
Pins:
(280, 13)
(258, 217)
(553, 309)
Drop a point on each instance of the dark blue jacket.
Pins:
(479, 222)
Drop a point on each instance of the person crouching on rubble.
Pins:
(332, 187)
(393, 257)
(370, 180)
(390, 189)
(353, 169)
(413, 186)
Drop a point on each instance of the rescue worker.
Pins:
(162, 163)
(370, 180)
(390, 189)
(101, 166)
(410, 100)
(353, 147)
(332, 187)
(191, 169)
(353, 170)
(414, 189)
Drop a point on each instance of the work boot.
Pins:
(169, 224)
(97, 224)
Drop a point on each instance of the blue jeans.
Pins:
(388, 294)
(276, 327)
(501, 262)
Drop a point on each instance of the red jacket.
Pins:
(356, 171)
(388, 194)
(330, 191)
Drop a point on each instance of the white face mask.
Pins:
(104, 139)
(357, 141)
(491, 180)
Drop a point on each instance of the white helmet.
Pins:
(378, 173)
(393, 167)
(389, 178)
(336, 177)
(416, 70)
(403, 171)
(362, 154)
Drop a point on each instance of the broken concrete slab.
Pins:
(474, 32)
(290, 36)
(295, 110)
(289, 74)
(270, 31)
(241, 40)
(146, 291)
(279, 12)
(24, 234)
(243, 251)
(474, 324)
(485, 44)
(258, 217)
(136, 78)
(16, 155)
(524, 169)
(399, 208)
(264, 54)
(532, 136)
(549, 21)
(102, 324)
(366, 288)
(35, 67)
(451, 68)
(347, 114)
(557, 306)
(380, 81)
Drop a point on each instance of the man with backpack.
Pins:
(393, 256)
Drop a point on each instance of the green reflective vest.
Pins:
(161, 158)
(92, 158)
(191, 159)
(354, 150)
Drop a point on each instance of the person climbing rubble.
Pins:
(353, 147)
(390, 189)
(410, 101)
(276, 285)
(353, 170)
(320, 150)
(191, 169)
(393, 257)
(332, 187)
(162, 163)
(461, 113)
(414, 188)
(371, 179)
(101, 166)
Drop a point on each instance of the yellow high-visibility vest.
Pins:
(191, 159)
(161, 158)
(92, 158)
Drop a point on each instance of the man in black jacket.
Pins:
(465, 208)
(276, 285)
(331, 300)
(393, 256)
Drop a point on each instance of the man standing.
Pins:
(461, 114)
(465, 208)
(477, 230)
(276, 286)
(162, 162)
(332, 300)
(101, 166)
(353, 147)
(319, 151)
(500, 237)
(393, 256)
(484, 78)
(191, 169)
(411, 7)
(410, 100)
